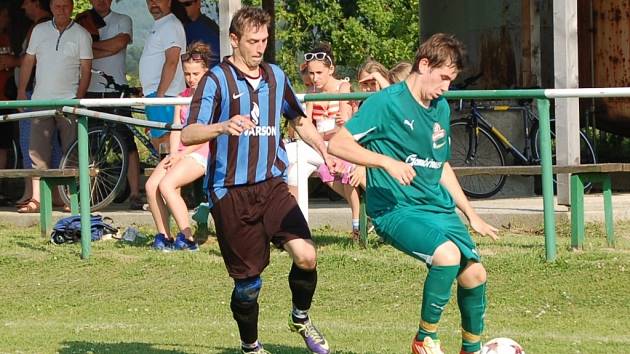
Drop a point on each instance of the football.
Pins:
(502, 346)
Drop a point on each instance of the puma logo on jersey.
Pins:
(409, 123)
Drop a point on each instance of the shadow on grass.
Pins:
(132, 347)
(322, 238)
(32, 247)
(276, 349)
(140, 242)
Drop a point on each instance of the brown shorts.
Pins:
(249, 217)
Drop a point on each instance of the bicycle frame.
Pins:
(144, 140)
(126, 90)
(476, 118)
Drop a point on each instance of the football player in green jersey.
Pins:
(401, 134)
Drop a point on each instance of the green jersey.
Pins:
(391, 122)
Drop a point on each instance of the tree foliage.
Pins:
(80, 6)
(386, 30)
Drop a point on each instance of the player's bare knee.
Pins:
(306, 260)
(446, 254)
(473, 275)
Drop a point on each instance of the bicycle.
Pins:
(476, 142)
(107, 153)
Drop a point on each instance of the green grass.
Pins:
(129, 299)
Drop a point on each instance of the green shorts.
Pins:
(419, 233)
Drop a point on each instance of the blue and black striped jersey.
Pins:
(258, 154)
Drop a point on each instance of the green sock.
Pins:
(472, 306)
(437, 291)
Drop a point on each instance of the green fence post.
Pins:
(84, 187)
(577, 211)
(363, 221)
(547, 179)
(45, 205)
(608, 210)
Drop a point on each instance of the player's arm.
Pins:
(306, 130)
(345, 147)
(449, 181)
(199, 133)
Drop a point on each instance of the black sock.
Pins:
(302, 283)
(246, 316)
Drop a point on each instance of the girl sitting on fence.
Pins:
(182, 166)
(327, 117)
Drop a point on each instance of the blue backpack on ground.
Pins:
(68, 230)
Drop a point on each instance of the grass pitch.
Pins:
(129, 299)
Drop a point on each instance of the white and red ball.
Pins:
(502, 346)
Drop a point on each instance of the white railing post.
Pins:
(565, 45)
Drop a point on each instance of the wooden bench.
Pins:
(47, 180)
(580, 175)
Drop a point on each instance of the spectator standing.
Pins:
(37, 11)
(110, 52)
(237, 110)
(65, 50)
(160, 67)
(200, 27)
(6, 63)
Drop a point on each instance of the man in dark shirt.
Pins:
(201, 28)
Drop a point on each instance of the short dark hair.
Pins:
(249, 16)
(44, 5)
(439, 49)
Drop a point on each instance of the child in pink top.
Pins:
(182, 166)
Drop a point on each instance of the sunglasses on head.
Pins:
(316, 56)
(193, 56)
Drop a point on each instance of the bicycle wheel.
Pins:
(13, 155)
(587, 153)
(107, 154)
(476, 149)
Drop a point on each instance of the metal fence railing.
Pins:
(76, 107)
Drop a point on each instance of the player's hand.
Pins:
(331, 163)
(237, 125)
(401, 171)
(357, 175)
(483, 228)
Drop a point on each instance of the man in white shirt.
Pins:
(161, 71)
(63, 52)
(110, 52)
